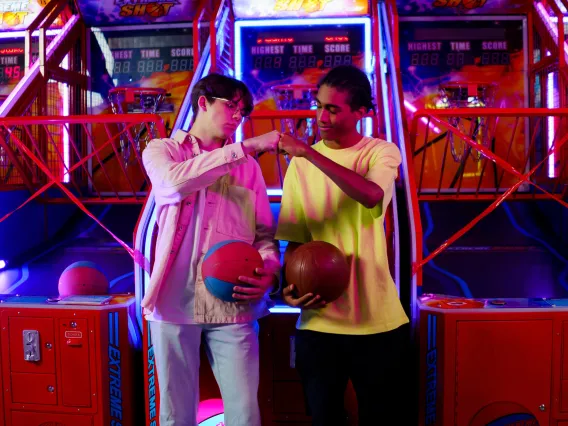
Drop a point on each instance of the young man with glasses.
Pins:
(207, 190)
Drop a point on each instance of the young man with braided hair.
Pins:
(338, 191)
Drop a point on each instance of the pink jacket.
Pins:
(237, 207)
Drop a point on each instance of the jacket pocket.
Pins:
(237, 213)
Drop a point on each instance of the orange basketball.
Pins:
(155, 10)
(319, 268)
(11, 19)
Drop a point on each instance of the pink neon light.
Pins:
(413, 109)
(551, 103)
(209, 408)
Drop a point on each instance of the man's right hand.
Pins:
(267, 142)
(307, 301)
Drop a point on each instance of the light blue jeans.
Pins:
(233, 353)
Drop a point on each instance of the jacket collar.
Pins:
(182, 137)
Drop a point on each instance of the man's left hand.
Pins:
(257, 286)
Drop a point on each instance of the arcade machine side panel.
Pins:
(435, 358)
(151, 386)
(118, 363)
(560, 372)
(67, 364)
(31, 364)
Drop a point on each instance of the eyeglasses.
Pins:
(234, 108)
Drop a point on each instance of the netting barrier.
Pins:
(47, 152)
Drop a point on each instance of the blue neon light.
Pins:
(301, 23)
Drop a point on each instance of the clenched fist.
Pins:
(267, 142)
(292, 146)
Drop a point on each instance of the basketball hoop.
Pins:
(296, 97)
(460, 94)
(137, 100)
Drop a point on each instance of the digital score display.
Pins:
(135, 55)
(12, 62)
(276, 54)
(451, 45)
(283, 52)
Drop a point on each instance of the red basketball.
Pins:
(224, 263)
(319, 268)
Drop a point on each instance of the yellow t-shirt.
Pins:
(314, 208)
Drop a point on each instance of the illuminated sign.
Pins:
(460, 7)
(132, 12)
(299, 8)
(18, 15)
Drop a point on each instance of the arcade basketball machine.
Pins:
(490, 301)
(15, 17)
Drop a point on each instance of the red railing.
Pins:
(37, 152)
(447, 166)
(486, 154)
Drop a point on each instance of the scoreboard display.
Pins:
(132, 56)
(286, 54)
(490, 55)
(447, 45)
(321, 49)
(12, 63)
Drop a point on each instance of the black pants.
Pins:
(326, 362)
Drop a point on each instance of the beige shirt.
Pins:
(314, 208)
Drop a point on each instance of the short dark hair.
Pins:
(350, 79)
(220, 86)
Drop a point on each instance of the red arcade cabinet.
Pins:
(68, 364)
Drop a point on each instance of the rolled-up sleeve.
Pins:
(383, 171)
(173, 180)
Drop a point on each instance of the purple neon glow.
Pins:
(551, 99)
(551, 102)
